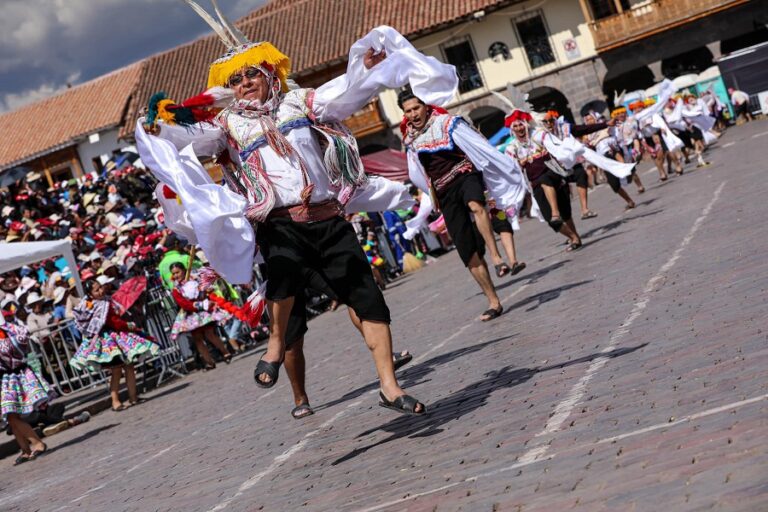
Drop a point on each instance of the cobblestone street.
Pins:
(629, 375)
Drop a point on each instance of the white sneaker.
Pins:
(56, 428)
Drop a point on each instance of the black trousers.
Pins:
(329, 248)
(579, 176)
(458, 217)
(563, 198)
(685, 136)
(297, 321)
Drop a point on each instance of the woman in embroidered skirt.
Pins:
(197, 315)
(22, 390)
(109, 342)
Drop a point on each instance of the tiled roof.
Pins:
(314, 34)
(60, 120)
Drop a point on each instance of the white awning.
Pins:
(16, 255)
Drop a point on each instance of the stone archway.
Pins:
(693, 61)
(488, 120)
(633, 80)
(599, 106)
(548, 98)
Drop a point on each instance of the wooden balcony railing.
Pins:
(366, 120)
(650, 18)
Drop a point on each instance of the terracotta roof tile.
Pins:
(60, 120)
(314, 34)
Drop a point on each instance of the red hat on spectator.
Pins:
(87, 274)
(17, 226)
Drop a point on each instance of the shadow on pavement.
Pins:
(465, 401)
(413, 375)
(81, 438)
(168, 391)
(532, 277)
(545, 296)
(605, 228)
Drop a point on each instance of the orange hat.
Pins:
(618, 111)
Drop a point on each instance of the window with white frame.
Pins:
(461, 54)
(534, 36)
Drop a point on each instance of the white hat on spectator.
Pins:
(7, 210)
(26, 283)
(94, 256)
(106, 265)
(33, 298)
(58, 294)
(55, 217)
(102, 279)
(8, 299)
(121, 239)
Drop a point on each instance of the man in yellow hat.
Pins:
(296, 192)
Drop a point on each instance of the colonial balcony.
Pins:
(647, 18)
(366, 120)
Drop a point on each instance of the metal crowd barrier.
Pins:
(55, 345)
(50, 353)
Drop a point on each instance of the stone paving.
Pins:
(630, 375)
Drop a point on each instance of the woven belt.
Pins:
(448, 178)
(313, 213)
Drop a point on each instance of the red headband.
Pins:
(517, 115)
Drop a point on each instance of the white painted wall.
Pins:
(563, 18)
(101, 149)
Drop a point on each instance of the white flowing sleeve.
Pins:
(670, 139)
(570, 151)
(502, 175)
(379, 195)
(215, 213)
(421, 220)
(208, 140)
(666, 90)
(416, 172)
(431, 80)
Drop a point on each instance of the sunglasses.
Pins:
(251, 73)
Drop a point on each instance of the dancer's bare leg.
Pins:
(551, 194)
(213, 338)
(508, 242)
(295, 368)
(130, 383)
(279, 313)
(198, 338)
(114, 386)
(625, 197)
(24, 434)
(568, 229)
(583, 199)
(483, 223)
(378, 337)
(479, 271)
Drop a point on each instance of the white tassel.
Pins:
(215, 25)
(237, 36)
